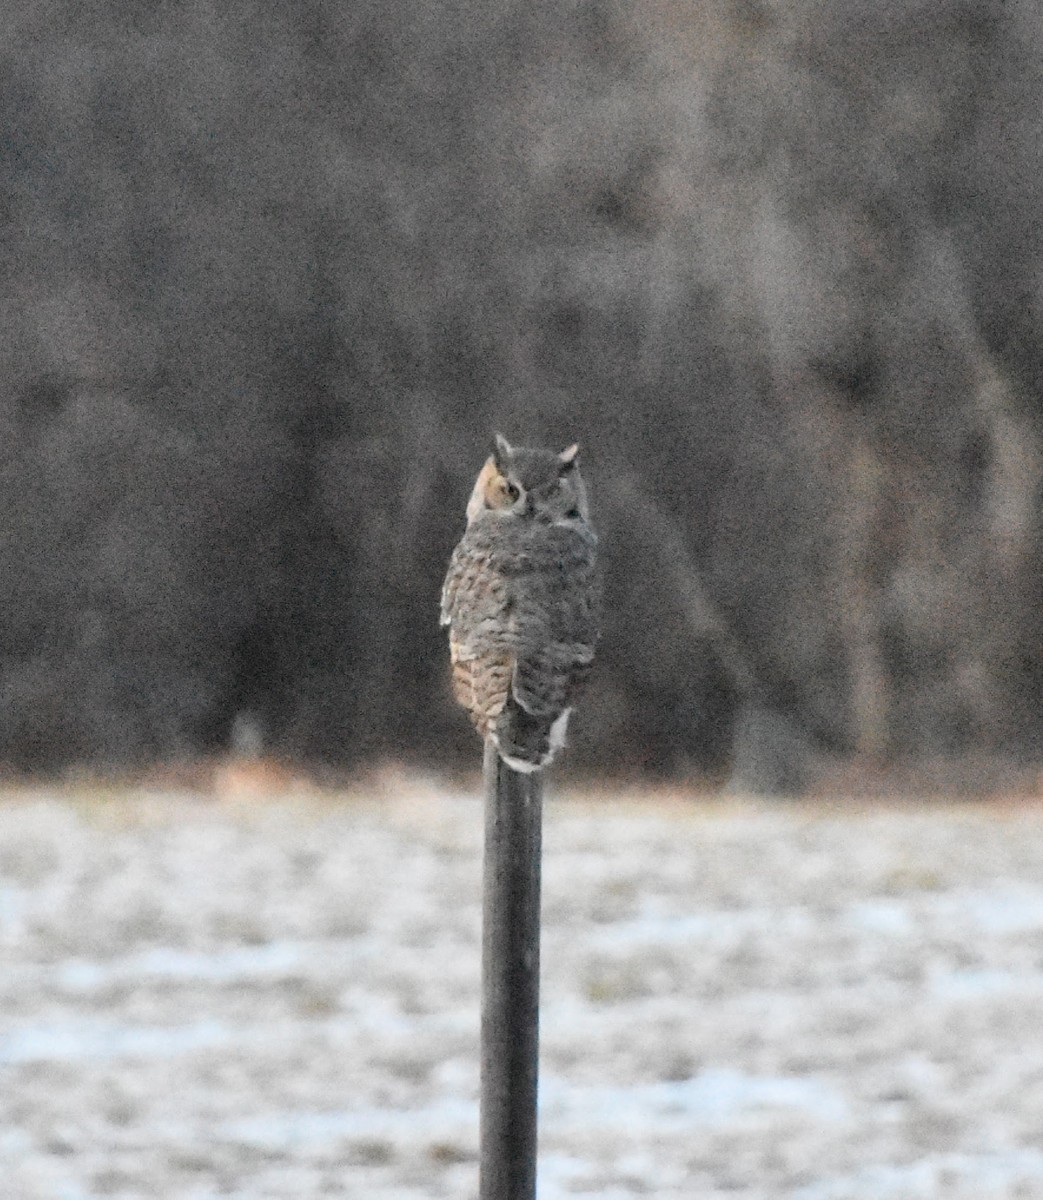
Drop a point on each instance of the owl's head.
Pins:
(517, 481)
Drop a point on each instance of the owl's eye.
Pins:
(573, 514)
(510, 491)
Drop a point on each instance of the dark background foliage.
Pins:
(273, 274)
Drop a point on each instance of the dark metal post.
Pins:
(510, 980)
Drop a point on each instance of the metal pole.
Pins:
(510, 981)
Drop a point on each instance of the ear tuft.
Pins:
(502, 452)
(567, 458)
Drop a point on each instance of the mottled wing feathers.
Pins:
(473, 603)
(520, 602)
(559, 621)
(481, 685)
(546, 683)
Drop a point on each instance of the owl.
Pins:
(521, 601)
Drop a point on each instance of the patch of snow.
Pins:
(228, 965)
(998, 911)
(966, 985)
(890, 917)
(77, 1040)
(709, 1097)
(1004, 1173)
(284, 1129)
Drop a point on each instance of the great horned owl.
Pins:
(521, 601)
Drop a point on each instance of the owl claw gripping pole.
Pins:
(521, 603)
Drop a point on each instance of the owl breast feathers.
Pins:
(521, 600)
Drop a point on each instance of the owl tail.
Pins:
(526, 742)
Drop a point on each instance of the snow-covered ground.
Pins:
(280, 999)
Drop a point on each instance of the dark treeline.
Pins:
(273, 274)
